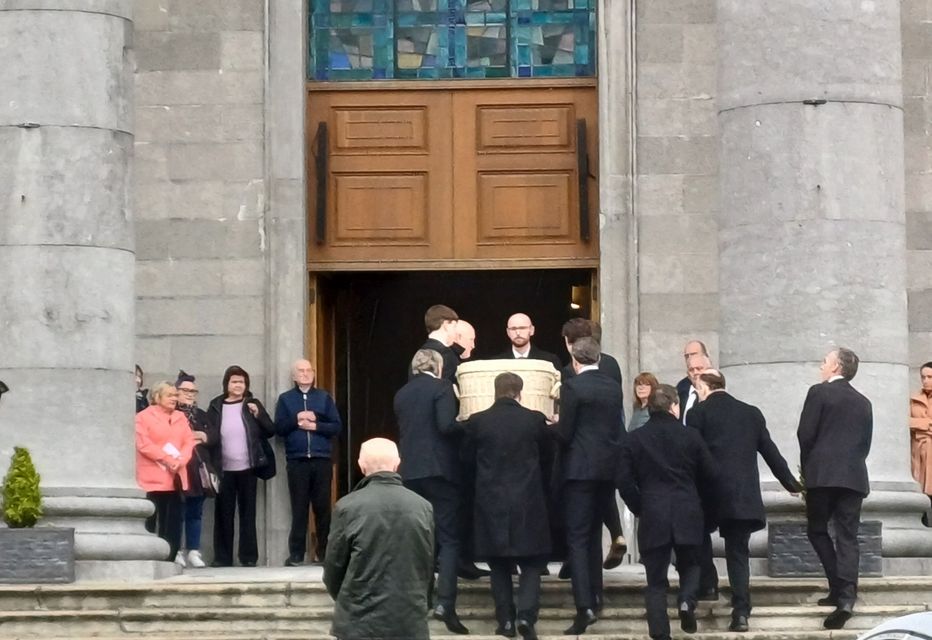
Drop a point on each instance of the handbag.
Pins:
(210, 480)
(266, 471)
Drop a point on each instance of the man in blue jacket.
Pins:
(308, 420)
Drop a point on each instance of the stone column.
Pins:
(812, 229)
(67, 264)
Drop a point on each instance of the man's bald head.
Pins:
(378, 454)
(520, 329)
(302, 372)
(465, 337)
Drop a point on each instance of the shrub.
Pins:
(22, 501)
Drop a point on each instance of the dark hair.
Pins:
(645, 377)
(586, 351)
(138, 371)
(234, 370)
(508, 385)
(714, 379)
(848, 360)
(437, 315)
(183, 376)
(927, 365)
(576, 328)
(662, 398)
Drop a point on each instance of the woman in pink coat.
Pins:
(164, 443)
(920, 431)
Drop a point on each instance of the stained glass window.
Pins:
(381, 39)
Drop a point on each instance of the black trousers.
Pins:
(167, 520)
(237, 488)
(528, 604)
(309, 481)
(708, 574)
(656, 563)
(737, 535)
(612, 517)
(584, 504)
(444, 497)
(840, 559)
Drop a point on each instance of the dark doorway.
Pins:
(379, 324)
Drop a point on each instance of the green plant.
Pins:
(22, 501)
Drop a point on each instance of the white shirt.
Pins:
(834, 378)
(520, 356)
(588, 367)
(690, 401)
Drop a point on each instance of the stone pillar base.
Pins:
(124, 570)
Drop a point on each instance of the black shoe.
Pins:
(616, 553)
(687, 618)
(294, 561)
(582, 620)
(507, 629)
(449, 618)
(471, 572)
(837, 618)
(924, 519)
(709, 595)
(526, 629)
(599, 605)
(738, 623)
(217, 565)
(565, 571)
(831, 600)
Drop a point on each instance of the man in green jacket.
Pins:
(380, 555)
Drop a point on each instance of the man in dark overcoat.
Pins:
(425, 409)
(736, 433)
(507, 443)
(591, 430)
(661, 469)
(835, 431)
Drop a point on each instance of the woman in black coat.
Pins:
(243, 423)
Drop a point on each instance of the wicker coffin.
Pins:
(476, 381)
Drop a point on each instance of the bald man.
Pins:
(380, 558)
(684, 388)
(520, 330)
(307, 420)
(465, 339)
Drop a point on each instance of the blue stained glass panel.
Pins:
(383, 39)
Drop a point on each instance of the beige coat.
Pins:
(920, 431)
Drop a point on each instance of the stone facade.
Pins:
(219, 185)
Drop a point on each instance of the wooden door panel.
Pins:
(388, 181)
(516, 193)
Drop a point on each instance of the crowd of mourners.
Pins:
(517, 488)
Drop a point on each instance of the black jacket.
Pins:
(533, 354)
(257, 428)
(835, 431)
(590, 426)
(735, 433)
(380, 561)
(425, 409)
(205, 451)
(663, 465)
(451, 359)
(610, 367)
(508, 444)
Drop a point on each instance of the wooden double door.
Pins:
(452, 176)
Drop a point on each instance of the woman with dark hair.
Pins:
(207, 437)
(242, 423)
(142, 395)
(644, 384)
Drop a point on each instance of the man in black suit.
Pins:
(520, 331)
(835, 430)
(661, 469)
(441, 324)
(591, 430)
(573, 330)
(735, 433)
(426, 412)
(507, 443)
(688, 395)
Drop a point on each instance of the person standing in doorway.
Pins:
(520, 330)
(307, 419)
(835, 431)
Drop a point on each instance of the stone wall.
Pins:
(200, 190)
(916, 18)
(677, 181)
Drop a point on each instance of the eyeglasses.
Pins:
(517, 329)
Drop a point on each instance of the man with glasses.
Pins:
(520, 329)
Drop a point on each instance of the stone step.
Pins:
(554, 594)
(844, 634)
(316, 620)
